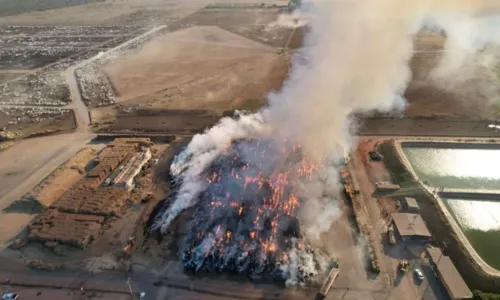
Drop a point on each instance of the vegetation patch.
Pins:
(478, 295)
(397, 169)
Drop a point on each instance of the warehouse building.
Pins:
(386, 187)
(448, 275)
(411, 227)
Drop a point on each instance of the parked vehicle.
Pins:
(419, 274)
(375, 156)
(392, 237)
(10, 296)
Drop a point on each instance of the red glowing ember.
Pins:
(245, 219)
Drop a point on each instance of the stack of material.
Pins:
(77, 216)
(127, 141)
(108, 163)
(351, 190)
(70, 229)
(104, 202)
(74, 198)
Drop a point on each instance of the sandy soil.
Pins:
(48, 191)
(24, 165)
(199, 67)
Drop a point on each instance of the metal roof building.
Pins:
(411, 204)
(449, 275)
(386, 187)
(411, 226)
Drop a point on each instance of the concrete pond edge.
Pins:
(432, 191)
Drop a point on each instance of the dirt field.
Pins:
(162, 121)
(48, 191)
(163, 86)
(121, 12)
(6, 76)
(107, 13)
(426, 127)
(22, 123)
(199, 67)
(255, 24)
(24, 165)
(466, 96)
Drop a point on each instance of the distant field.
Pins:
(15, 7)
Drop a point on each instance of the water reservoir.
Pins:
(460, 166)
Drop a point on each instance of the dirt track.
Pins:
(426, 127)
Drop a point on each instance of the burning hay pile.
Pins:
(246, 216)
(245, 220)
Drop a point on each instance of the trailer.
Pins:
(327, 284)
(392, 237)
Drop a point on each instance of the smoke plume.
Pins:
(354, 60)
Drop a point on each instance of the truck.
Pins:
(390, 234)
(327, 284)
(375, 156)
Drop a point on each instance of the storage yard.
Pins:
(76, 218)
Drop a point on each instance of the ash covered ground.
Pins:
(247, 215)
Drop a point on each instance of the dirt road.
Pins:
(425, 127)
(77, 104)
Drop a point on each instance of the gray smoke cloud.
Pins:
(354, 60)
(197, 157)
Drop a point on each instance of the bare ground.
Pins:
(147, 12)
(163, 86)
(24, 165)
(48, 191)
(118, 12)
(199, 67)
(25, 126)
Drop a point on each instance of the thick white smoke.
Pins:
(199, 154)
(354, 60)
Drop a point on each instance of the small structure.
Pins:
(411, 227)
(411, 205)
(125, 179)
(449, 275)
(386, 187)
